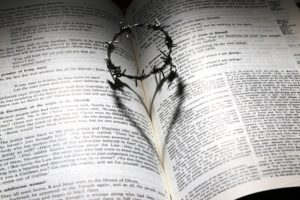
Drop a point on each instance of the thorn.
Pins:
(163, 53)
(135, 82)
(157, 22)
(163, 74)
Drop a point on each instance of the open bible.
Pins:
(62, 135)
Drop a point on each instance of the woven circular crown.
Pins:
(117, 72)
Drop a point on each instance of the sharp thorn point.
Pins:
(158, 23)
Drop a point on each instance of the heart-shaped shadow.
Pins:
(180, 90)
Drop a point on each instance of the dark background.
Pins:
(123, 4)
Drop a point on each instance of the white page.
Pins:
(61, 133)
(237, 133)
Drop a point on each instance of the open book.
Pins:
(62, 135)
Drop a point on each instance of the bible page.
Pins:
(238, 130)
(62, 135)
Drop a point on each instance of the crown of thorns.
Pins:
(116, 71)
